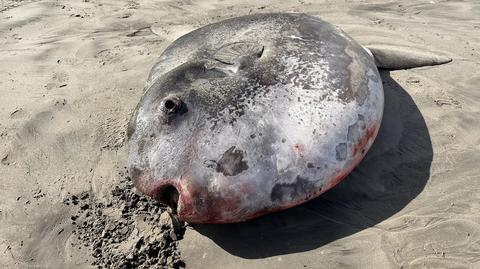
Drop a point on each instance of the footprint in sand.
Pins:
(58, 80)
(18, 113)
(171, 32)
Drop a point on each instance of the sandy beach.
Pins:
(72, 72)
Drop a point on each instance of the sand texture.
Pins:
(72, 72)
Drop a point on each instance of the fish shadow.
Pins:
(394, 172)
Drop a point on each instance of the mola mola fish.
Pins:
(257, 114)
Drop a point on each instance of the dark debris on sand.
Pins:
(130, 231)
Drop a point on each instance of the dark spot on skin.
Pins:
(231, 163)
(341, 150)
(310, 165)
(284, 140)
(290, 191)
(353, 133)
(354, 130)
(252, 136)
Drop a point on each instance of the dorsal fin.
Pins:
(395, 58)
(234, 52)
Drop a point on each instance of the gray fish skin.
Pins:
(253, 115)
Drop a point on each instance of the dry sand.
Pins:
(71, 73)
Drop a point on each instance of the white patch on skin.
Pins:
(297, 37)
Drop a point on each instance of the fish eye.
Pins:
(171, 104)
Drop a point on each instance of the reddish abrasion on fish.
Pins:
(202, 206)
(226, 208)
(361, 146)
(189, 201)
(222, 208)
(363, 142)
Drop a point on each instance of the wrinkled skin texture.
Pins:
(253, 115)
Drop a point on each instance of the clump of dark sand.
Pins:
(129, 231)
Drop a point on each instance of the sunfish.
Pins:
(256, 114)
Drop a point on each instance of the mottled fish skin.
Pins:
(253, 115)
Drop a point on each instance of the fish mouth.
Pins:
(168, 195)
(164, 191)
